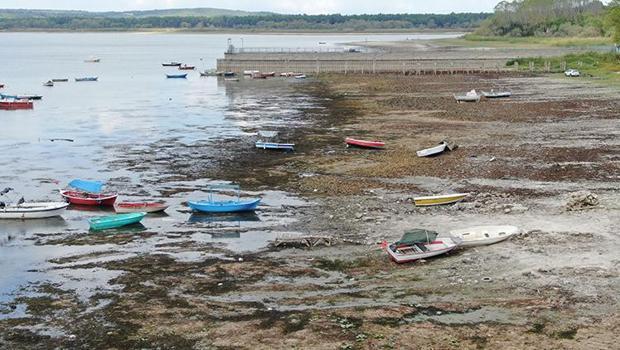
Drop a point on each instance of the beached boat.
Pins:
(419, 244)
(49, 83)
(484, 235)
(212, 205)
(60, 80)
(471, 96)
(439, 200)
(300, 76)
(258, 75)
(250, 72)
(269, 74)
(171, 64)
(140, 207)
(364, 143)
(275, 146)
(176, 76)
(186, 67)
(89, 193)
(433, 151)
(231, 79)
(115, 221)
(229, 74)
(20, 209)
(28, 97)
(13, 104)
(86, 79)
(496, 94)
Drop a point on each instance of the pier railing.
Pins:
(288, 50)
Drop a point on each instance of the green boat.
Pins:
(115, 221)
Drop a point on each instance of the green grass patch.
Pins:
(605, 66)
(544, 41)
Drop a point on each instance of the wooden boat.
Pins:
(32, 210)
(115, 221)
(275, 146)
(496, 94)
(88, 193)
(186, 67)
(140, 207)
(364, 143)
(11, 105)
(48, 83)
(433, 151)
(171, 64)
(419, 244)
(60, 80)
(471, 96)
(484, 235)
(86, 79)
(439, 200)
(176, 76)
(210, 205)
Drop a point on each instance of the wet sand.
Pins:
(555, 286)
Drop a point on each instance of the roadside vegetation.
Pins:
(605, 66)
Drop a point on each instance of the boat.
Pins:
(60, 80)
(29, 210)
(186, 67)
(419, 244)
(48, 83)
(496, 94)
(572, 73)
(115, 221)
(84, 192)
(231, 79)
(300, 76)
(484, 235)
(14, 104)
(210, 73)
(269, 74)
(229, 74)
(433, 151)
(211, 205)
(364, 143)
(93, 60)
(471, 96)
(176, 76)
(439, 200)
(250, 72)
(28, 97)
(87, 79)
(1, 86)
(140, 207)
(171, 64)
(258, 75)
(275, 145)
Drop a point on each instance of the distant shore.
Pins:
(243, 31)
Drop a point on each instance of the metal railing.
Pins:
(295, 50)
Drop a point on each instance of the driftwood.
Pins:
(304, 241)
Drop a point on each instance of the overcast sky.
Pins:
(282, 6)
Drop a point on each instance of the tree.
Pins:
(613, 19)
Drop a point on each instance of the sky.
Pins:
(280, 6)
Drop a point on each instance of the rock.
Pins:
(507, 211)
(359, 216)
(581, 200)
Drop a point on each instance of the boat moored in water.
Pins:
(171, 64)
(212, 205)
(20, 209)
(176, 76)
(84, 192)
(186, 67)
(14, 104)
(115, 221)
(138, 207)
(48, 83)
(86, 79)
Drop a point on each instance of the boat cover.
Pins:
(87, 186)
(417, 235)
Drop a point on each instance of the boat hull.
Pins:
(147, 207)
(224, 207)
(275, 146)
(364, 143)
(484, 235)
(81, 198)
(433, 151)
(115, 221)
(439, 200)
(34, 210)
(410, 253)
(15, 105)
(176, 76)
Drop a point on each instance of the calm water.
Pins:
(131, 106)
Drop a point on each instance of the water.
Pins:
(131, 108)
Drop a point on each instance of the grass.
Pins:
(545, 41)
(605, 66)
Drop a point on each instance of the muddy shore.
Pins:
(554, 286)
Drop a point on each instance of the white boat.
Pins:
(300, 76)
(250, 72)
(572, 73)
(420, 244)
(496, 94)
(439, 200)
(471, 96)
(432, 151)
(32, 210)
(484, 235)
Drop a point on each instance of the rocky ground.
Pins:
(554, 286)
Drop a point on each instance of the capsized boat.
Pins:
(439, 200)
(364, 143)
(496, 94)
(419, 244)
(471, 96)
(275, 146)
(140, 207)
(171, 64)
(86, 79)
(212, 205)
(10, 209)
(433, 151)
(85, 192)
(484, 235)
(115, 221)
(176, 76)
(14, 104)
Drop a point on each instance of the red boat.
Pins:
(16, 104)
(140, 207)
(186, 67)
(85, 198)
(363, 143)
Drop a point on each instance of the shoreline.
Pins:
(249, 32)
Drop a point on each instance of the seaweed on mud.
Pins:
(566, 334)
(342, 265)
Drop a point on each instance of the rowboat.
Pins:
(300, 76)
(419, 244)
(29, 97)
(496, 94)
(140, 207)
(439, 200)
(32, 210)
(364, 143)
(229, 74)
(60, 80)
(93, 60)
(484, 235)
(115, 221)
(186, 67)
(87, 79)
(88, 193)
(176, 76)
(11, 105)
(211, 205)
(275, 146)
(471, 96)
(48, 83)
(433, 151)
(250, 72)
(171, 64)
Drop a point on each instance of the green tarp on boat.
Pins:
(417, 235)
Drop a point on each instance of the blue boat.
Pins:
(176, 76)
(211, 205)
(86, 79)
(275, 146)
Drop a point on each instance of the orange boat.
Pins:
(364, 143)
(140, 207)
